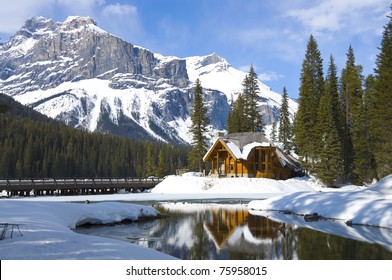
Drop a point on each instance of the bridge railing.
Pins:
(14, 185)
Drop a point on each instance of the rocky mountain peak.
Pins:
(37, 23)
(77, 22)
(211, 59)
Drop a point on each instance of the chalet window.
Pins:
(263, 156)
(263, 167)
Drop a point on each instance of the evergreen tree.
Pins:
(236, 116)
(364, 162)
(330, 166)
(253, 121)
(285, 127)
(382, 108)
(3, 108)
(149, 166)
(351, 95)
(198, 130)
(311, 89)
(161, 169)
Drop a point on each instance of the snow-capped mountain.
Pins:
(76, 72)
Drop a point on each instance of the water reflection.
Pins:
(216, 231)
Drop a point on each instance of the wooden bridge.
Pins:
(39, 187)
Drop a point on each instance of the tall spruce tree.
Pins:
(310, 91)
(236, 117)
(364, 163)
(381, 122)
(198, 130)
(149, 165)
(351, 96)
(253, 121)
(161, 168)
(330, 166)
(285, 127)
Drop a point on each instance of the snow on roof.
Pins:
(249, 147)
(235, 150)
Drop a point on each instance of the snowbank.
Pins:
(46, 231)
(192, 184)
(371, 206)
(384, 186)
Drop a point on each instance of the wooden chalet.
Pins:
(249, 154)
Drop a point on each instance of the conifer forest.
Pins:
(343, 127)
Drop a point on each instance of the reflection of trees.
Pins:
(263, 228)
(183, 236)
(314, 245)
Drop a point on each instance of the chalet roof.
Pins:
(241, 144)
(244, 138)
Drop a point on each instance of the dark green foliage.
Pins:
(351, 95)
(198, 130)
(244, 116)
(150, 166)
(329, 167)
(364, 168)
(285, 127)
(161, 168)
(34, 146)
(381, 120)
(310, 92)
(252, 121)
(236, 116)
(3, 108)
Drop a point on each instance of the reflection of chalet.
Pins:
(249, 154)
(223, 223)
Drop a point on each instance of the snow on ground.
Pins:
(46, 229)
(47, 221)
(193, 183)
(371, 206)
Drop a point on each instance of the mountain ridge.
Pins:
(76, 72)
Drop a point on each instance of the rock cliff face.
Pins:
(76, 72)
(53, 53)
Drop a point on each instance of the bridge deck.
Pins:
(74, 186)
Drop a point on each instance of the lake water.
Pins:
(203, 231)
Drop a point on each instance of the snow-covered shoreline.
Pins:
(47, 222)
(46, 229)
(371, 206)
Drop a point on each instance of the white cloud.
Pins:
(270, 76)
(338, 15)
(119, 10)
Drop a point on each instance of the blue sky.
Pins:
(270, 34)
